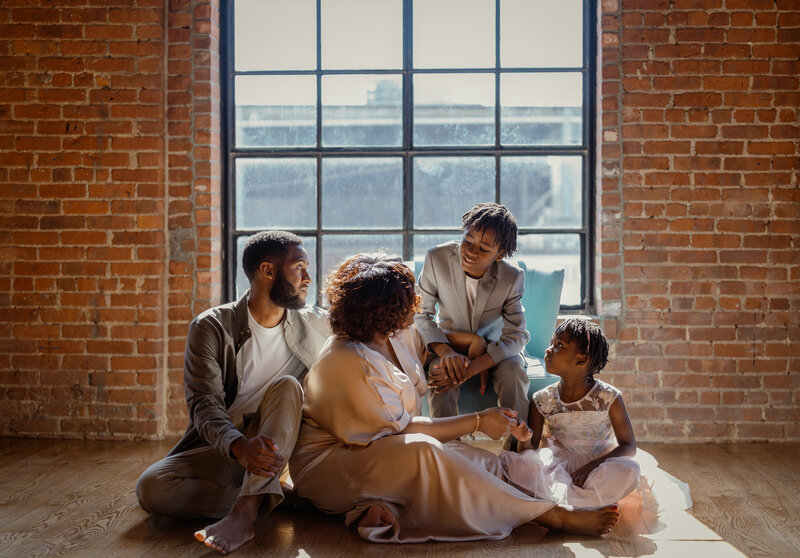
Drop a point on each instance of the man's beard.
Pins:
(284, 295)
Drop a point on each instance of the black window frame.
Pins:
(586, 150)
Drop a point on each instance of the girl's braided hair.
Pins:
(590, 340)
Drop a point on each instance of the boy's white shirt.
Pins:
(472, 292)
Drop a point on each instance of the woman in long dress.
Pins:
(365, 452)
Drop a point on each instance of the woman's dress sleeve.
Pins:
(355, 397)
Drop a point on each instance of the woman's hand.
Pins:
(439, 381)
(495, 422)
(455, 366)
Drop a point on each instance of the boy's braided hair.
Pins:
(495, 217)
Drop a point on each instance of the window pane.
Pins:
(454, 34)
(541, 33)
(337, 248)
(541, 109)
(543, 191)
(242, 284)
(424, 242)
(335, 142)
(362, 193)
(548, 251)
(275, 35)
(274, 193)
(362, 110)
(454, 109)
(276, 111)
(362, 34)
(446, 187)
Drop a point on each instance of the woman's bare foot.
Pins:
(233, 530)
(376, 516)
(597, 521)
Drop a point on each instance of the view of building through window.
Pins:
(374, 124)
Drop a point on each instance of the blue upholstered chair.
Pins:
(541, 302)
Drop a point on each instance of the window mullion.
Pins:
(319, 200)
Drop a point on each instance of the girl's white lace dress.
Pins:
(576, 433)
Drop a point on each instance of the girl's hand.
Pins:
(521, 431)
(496, 421)
(579, 477)
(484, 380)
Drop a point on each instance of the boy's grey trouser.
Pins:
(509, 380)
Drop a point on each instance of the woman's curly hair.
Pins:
(369, 294)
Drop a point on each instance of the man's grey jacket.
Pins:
(213, 366)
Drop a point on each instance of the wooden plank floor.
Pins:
(75, 498)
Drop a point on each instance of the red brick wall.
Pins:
(193, 182)
(699, 248)
(110, 213)
(109, 188)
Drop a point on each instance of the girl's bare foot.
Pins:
(233, 530)
(376, 516)
(597, 521)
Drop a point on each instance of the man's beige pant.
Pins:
(201, 482)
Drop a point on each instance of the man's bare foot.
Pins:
(597, 521)
(376, 516)
(233, 530)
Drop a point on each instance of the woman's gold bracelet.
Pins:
(477, 424)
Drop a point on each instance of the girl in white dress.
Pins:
(580, 449)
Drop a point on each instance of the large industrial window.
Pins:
(374, 124)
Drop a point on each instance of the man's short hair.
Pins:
(267, 246)
(495, 217)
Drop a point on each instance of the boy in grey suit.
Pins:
(481, 323)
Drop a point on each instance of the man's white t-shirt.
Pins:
(265, 357)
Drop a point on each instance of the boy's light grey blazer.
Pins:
(497, 314)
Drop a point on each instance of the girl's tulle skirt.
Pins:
(544, 473)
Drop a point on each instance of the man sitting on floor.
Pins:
(242, 371)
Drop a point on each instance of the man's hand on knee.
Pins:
(259, 455)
